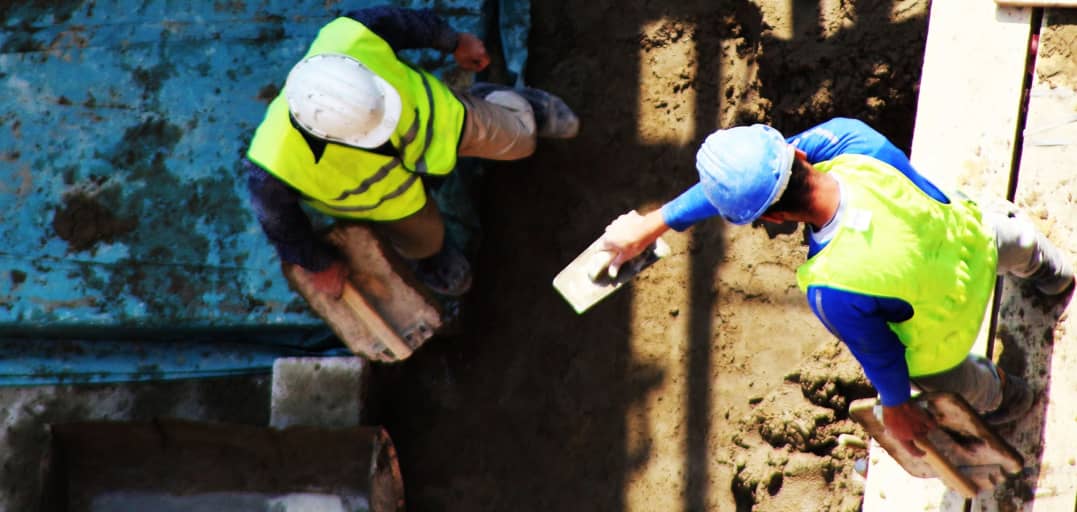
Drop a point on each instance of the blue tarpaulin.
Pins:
(126, 240)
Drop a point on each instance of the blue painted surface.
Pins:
(514, 23)
(124, 218)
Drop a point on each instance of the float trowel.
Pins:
(587, 280)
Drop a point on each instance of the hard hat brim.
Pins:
(754, 180)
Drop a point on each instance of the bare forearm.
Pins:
(631, 233)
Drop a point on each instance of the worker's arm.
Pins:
(835, 137)
(688, 208)
(862, 323)
(286, 225)
(841, 136)
(630, 234)
(406, 29)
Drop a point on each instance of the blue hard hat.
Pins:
(744, 170)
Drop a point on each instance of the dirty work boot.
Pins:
(553, 118)
(1052, 281)
(445, 273)
(1017, 400)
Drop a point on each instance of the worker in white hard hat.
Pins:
(899, 270)
(356, 129)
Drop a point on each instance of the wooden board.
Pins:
(970, 95)
(958, 143)
(384, 314)
(969, 450)
(1039, 335)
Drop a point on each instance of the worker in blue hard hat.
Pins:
(356, 131)
(901, 271)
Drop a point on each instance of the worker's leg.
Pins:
(1024, 252)
(420, 238)
(976, 379)
(999, 396)
(417, 236)
(500, 126)
(553, 117)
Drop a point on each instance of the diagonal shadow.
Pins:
(532, 408)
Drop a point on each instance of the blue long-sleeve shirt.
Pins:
(277, 205)
(860, 321)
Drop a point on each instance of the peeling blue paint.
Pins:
(123, 214)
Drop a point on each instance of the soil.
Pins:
(707, 384)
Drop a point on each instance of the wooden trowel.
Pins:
(964, 452)
(384, 315)
(586, 281)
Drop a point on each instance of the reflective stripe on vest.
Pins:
(356, 183)
(896, 241)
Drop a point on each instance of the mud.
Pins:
(707, 384)
(1055, 65)
(82, 221)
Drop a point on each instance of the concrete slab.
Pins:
(317, 392)
(965, 123)
(26, 412)
(172, 465)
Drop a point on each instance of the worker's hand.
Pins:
(470, 53)
(906, 422)
(629, 235)
(329, 281)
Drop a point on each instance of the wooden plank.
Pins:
(384, 314)
(1042, 332)
(958, 143)
(970, 95)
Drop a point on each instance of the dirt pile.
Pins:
(708, 384)
(789, 457)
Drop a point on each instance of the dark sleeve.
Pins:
(284, 222)
(861, 322)
(406, 29)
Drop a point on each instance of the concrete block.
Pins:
(174, 465)
(317, 392)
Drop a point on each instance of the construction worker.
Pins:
(901, 271)
(355, 131)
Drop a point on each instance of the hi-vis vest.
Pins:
(355, 183)
(896, 241)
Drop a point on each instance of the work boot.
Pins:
(1017, 400)
(1050, 281)
(553, 118)
(446, 273)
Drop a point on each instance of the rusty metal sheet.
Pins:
(124, 121)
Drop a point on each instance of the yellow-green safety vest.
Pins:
(896, 241)
(355, 183)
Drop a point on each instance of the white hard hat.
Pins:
(335, 97)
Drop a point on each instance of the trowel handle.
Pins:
(374, 321)
(949, 474)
